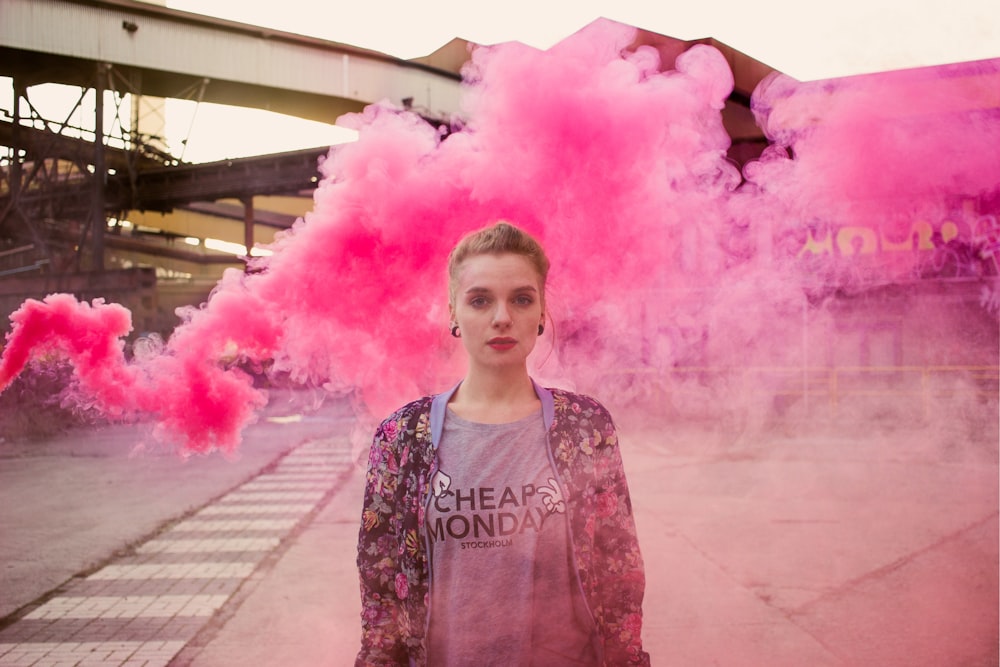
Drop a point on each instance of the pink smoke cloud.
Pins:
(198, 403)
(664, 254)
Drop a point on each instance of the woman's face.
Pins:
(498, 307)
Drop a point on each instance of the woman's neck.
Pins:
(490, 397)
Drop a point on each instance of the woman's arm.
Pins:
(381, 640)
(617, 558)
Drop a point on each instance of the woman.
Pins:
(497, 527)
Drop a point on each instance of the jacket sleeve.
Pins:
(617, 559)
(381, 639)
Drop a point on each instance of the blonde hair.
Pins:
(497, 239)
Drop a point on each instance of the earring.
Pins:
(541, 329)
(456, 332)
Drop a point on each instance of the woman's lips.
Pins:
(501, 343)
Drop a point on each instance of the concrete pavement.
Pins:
(68, 502)
(877, 547)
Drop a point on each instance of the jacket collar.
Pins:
(440, 404)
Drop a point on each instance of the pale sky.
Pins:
(805, 39)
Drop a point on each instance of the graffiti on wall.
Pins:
(964, 249)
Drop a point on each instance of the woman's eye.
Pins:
(524, 301)
(478, 302)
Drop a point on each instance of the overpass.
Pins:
(164, 52)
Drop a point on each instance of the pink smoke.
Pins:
(896, 153)
(196, 401)
(663, 253)
(87, 334)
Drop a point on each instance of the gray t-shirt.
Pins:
(502, 590)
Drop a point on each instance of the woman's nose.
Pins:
(501, 315)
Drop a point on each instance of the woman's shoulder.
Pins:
(411, 410)
(409, 421)
(581, 423)
(563, 399)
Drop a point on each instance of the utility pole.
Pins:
(98, 217)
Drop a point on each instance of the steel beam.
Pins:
(170, 51)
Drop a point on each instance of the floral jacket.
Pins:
(392, 551)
